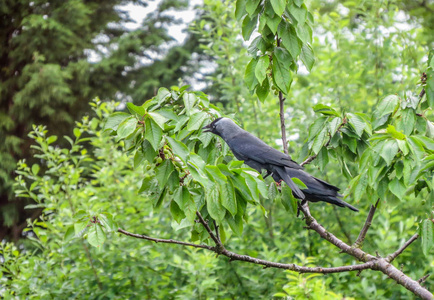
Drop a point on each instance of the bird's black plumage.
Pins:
(259, 156)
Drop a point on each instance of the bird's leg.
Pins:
(268, 174)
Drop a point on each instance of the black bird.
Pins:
(259, 156)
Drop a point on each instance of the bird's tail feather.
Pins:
(340, 202)
(295, 189)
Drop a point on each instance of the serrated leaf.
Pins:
(394, 133)
(249, 75)
(162, 94)
(389, 150)
(80, 214)
(288, 200)
(357, 123)
(319, 140)
(96, 236)
(263, 90)
(240, 9)
(80, 227)
(235, 223)
(153, 133)
(290, 40)
(360, 187)
(248, 26)
(163, 171)
(213, 205)
(281, 72)
(278, 6)
(261, 68)
(176, 212)
(416, 147)
(397, 187)
(251, 6)
(189, 101)
(325, 110)
(108, 222)
(273, 23)
(158, 119)
(304, 33)
(386, 106)
(316, 127)
(228, 199)
(427, 236)
(114, 120)
(196, 121)
(69, 234)
(127, 127)
(299, 13)
(140, 110)
(307, 56)
(178, 148)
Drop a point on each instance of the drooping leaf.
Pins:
(261, 68)
(96, 236)
(278, 6)
(427, 233)
(153, 133)
(127, 127)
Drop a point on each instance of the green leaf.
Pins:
(263, 90)
(178, 148)
(51, 139)
(108, 222)
(140, 110)
(278, 6)
(408, 121)
(397, 187)
(429, 88)
(281, 73)
(389, 150)
(251, 6)
(386, 106)
(163, 171)
(299, 13)
(325, 110)
(176, 212)
(394, 133)
(304, 32)
(215, 173)
(114, 120)
(80, 227)
(288, 200)
(240, 9)
(357, 123)
(139, 158)
(248, 26)
(153, 133)
(228, 199)
(235, 223)
(307, 56)
(127, 127)
(249, 76)
(189, 101)
(96, 236)
(213, 205)
(162, 94)
(273, 23)
(69, 234)
(319, 140)
(80, 215)
(35, 169)
(196, 121)
(290, 40)
(360, 188)
(158, 119)
(316, 127)
(261, 68)
(427, 235)
(416, 147)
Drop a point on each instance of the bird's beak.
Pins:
(207, 128)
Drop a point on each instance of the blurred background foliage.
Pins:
(56, 56)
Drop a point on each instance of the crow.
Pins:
(258, 155)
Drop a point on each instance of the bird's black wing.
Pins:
(248, 146)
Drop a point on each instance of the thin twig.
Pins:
(359, 242)
(392, 256)
(216, 227)
(282, 122)
(170, 241)
(423, 278)
(211, 234)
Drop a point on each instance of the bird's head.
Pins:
(223, 127)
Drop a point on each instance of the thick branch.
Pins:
(268, 264)
(359, 242)
(392, 256)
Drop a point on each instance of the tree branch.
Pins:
(144, 237)
(392, 256)
(359, 242)
(211, 234)
(282, 122)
